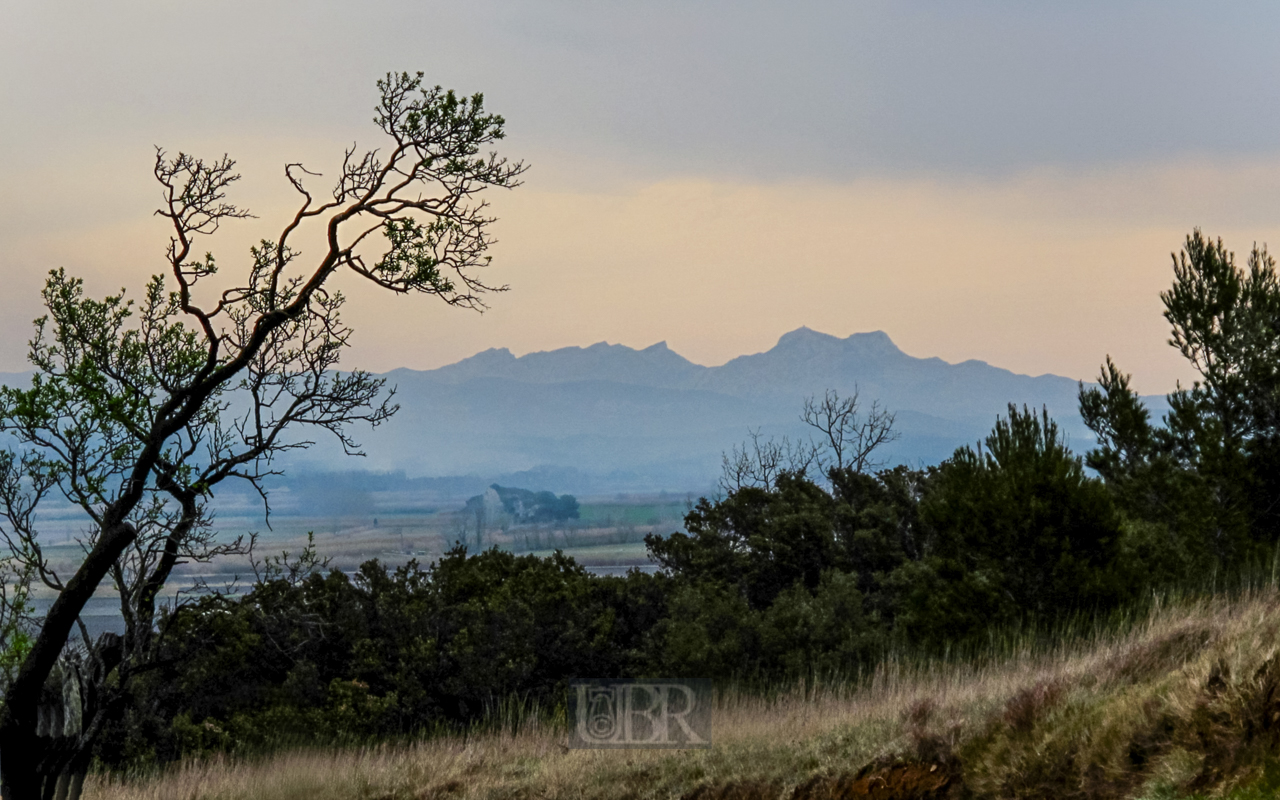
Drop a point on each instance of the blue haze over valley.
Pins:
(610, 418)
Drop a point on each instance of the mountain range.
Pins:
(610, 418)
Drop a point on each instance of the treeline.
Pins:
(813, 562)
(523, 506)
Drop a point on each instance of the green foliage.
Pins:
(1010, 533)
(826, 632)
(759, 541)
(1210, 475)
(879, 528)
(15, 613)
(320, 657)
(710, 631)
(1021, 530)
(939, 602)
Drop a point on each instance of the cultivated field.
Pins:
(608, 538)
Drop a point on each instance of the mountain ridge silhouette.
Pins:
(664, 420)
(652, 419)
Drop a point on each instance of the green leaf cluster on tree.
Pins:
(1202, 490)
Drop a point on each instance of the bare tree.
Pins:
(851, 439)
(137, 413)
(759, 462)
(848, 441)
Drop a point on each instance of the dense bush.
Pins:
(384, 653)
(1021, 532)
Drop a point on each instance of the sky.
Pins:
(1002, 181)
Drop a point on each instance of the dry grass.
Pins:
(1185, 701)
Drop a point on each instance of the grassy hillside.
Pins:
(1184, 702)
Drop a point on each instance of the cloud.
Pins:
(992, 180)
(1048, 271)
(746, 89)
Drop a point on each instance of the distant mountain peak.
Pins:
(879, 337)
(804, 334)
(806, 338)
(494, 355)
(877, 342)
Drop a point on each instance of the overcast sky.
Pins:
(992, 180)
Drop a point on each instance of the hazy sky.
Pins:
(992, 180)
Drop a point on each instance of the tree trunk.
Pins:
(19, 755)
(40, 752)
